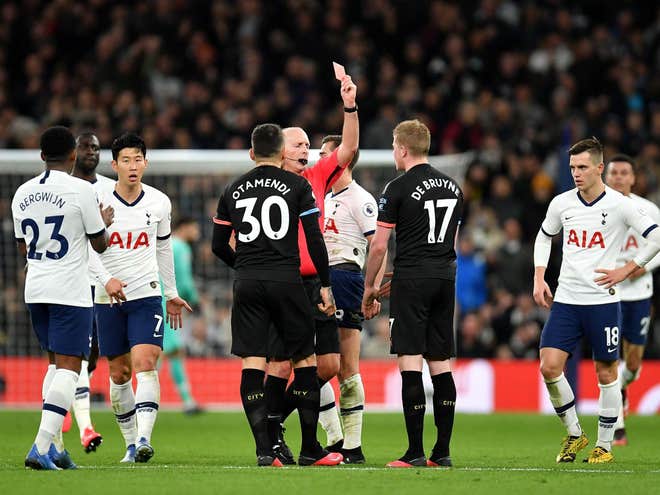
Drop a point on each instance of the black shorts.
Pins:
(262, 308)
(422, 317)
(326, 331)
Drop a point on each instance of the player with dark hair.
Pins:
(88, 152)
(636, 292)
(54, 216)
(349, 228)
(424, 206)
(264, 207)
(184, 232)
(131, 333)
(595, 219)
(321, 176)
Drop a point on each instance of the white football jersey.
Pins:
(642, 287)
(350, 216)
(593, 235)
(131, 254)
(54, 213)
(103, 188)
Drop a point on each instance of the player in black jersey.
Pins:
(263, 207)
(424, 206)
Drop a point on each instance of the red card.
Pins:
(340, 72)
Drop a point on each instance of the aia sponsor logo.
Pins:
(133, 240)
(584, 239)
(631, 243)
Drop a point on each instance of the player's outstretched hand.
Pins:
(174, 308)
(370, 303)
(385, 289)
(348, 91)
(115, 290)
(328, 301)
(542, 294)
(108, 214)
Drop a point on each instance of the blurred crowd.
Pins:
(515, 81)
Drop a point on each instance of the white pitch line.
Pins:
(373, 468)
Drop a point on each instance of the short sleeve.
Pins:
(388, 206)
(89, 207)
(164, 225)
(308, 204)
(552, 223)
(638, 217)
(365, 213)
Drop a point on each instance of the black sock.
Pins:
(290, 403)
(444, 405)
(414, 407)
(275, 404)
(254, 404)
(305, 390)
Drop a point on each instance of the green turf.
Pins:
(214, 453)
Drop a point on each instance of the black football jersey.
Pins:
(424, 206)
(264, 207)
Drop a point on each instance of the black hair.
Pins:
(267, 140)
(624, 158)
(128, 140)
(336, 139)
(592, 145)
(57, 143)
(182, 221)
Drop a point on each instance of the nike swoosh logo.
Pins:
(158, 335)
(612, 350)
(568, 218)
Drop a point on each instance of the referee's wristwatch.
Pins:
(351, 109)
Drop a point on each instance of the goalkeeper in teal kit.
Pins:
(186, 230)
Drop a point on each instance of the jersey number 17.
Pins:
(447, 206)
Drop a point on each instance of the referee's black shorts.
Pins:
(262, 308)
(422, 317)
(325, 327)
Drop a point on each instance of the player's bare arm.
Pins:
(351, 129)
(377, 251)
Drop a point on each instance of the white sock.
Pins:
(81, 402)
(609, 405)
(627, 376)
(563, 400)
(123, 405)
(48, 379)
(328, 416)
(56, 404)
(351, 404)
(58, 441)
(147, 399)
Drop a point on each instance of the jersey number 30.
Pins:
(55, 235)
(256, 224)
(448, 206)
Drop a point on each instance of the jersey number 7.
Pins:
(448, 206)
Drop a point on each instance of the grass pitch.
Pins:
(214, 453)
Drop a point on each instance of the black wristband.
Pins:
(351, 109)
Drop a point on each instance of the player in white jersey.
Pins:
(595, 220)
(349, 227)
(54, 216)
(88, 151)
(636, 291)
(131, 333)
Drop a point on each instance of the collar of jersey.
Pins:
(332, 195)
(137, 200)
(594, 201)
